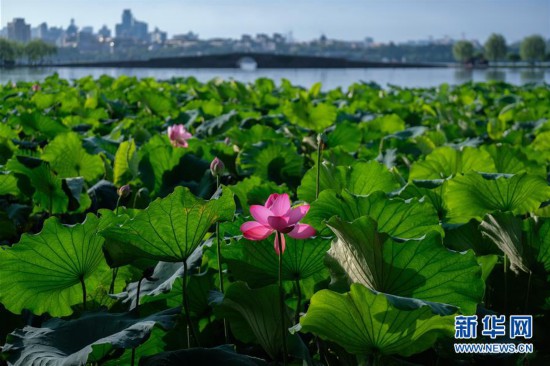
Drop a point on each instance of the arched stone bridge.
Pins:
(237, 59)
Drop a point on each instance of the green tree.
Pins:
(8, 51)
(532, 48)
(463, 51)
(495, 47)
(514, 57)
(37, 50)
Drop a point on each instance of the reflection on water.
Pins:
(497, 75)
(330, 78)
(463, 75)
(531, 75)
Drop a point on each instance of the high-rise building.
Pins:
(71, 34)
(104, 32)
(19, 31)
(130, 28)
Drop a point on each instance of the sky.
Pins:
(383, 20)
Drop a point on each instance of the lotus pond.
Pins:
(180, 223)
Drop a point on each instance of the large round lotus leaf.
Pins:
(364, 323)
(420, 268)
(171, 228)
(257, 264)
(396, 217)
(361, 178)
(85, 339)
(472, 196)
(445, 161)
(45, 270)
(69, 159)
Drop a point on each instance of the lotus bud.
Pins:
(124, 191)
(217, 167)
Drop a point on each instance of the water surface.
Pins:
(330, 78)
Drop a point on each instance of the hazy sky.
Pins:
(384, 20)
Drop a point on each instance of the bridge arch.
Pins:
(247, 63)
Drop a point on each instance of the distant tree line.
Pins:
(532, 49)
(35, 52)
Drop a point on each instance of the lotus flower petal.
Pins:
(260, 213)
(276, 244)
(302, 231)
(296, 214)
(281, 205)
(253, 230)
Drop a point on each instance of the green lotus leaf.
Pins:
(255, 317)
(217, 125)
(254, 134)
(171, 228)
(45, 270)
(369, 177)
(419, 268)
(85, 339)
(69, 159)
(258, 265)
(398, 218)
(8, 184)
(158, 103)
(35, 121)
(330, 177)
(126, 163)
(167, 285)
(445, 162)
(221, 355)
(158, 157)
(253, 190)
(511, 160)
(468, 236)
(429, 190)
(471, 196)
(387, 124)
(48, 188)
(541, 246)
(346, 135)
(365, 323)
(150, 347)
(314, 117)
(271, 160)
(361, 178)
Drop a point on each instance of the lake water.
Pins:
(330, 78)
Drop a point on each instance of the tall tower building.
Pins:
(19, 31)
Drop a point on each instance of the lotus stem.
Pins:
(319, 149)
(528, 291)
(505, 284)
(133, 360)
(137, 296)
(83, 292)
(113, 279)
(299, 304)
(220, 270)
(117, 204)
(282, 297)
(186, 309)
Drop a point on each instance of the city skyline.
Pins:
(346, 20)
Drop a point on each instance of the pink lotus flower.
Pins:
(36, 87)
(178, 136)
(277, 216)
